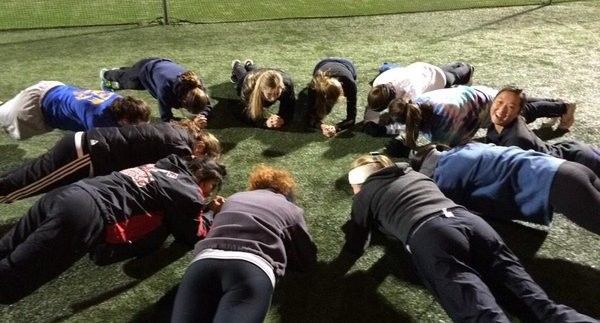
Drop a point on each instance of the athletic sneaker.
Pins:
(105, 84)
(549, 122)
(234, 63)
(248, 64)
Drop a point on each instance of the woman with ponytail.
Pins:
(447, 116)
(172, 85)
(259, 88)
(332, 78)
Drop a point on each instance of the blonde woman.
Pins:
(255, 237)
(458, 255)
(171, 84)
(259, 88)
(332, 78)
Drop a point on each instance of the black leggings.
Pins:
(238, 74)
(217, 290)
(575, 192)
(460, 257)
(542, 108)
(457, 73)
(128, 77)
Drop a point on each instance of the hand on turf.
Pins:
(216, 204)
(201, 121)
(328, 130)
(274, 121)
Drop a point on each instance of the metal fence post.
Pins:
(166, 11)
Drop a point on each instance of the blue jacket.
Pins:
(161, 78)
(504, 182)
(70, 108)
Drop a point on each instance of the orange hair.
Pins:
(267, 177)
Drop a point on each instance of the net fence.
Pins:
(28, 14)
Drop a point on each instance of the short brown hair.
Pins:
(379, 97)
(130, 109)
(267, 177)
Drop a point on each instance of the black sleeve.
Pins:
(357, 230)
(311, 113)
(301, 251)
(349, 87)
(287, 101)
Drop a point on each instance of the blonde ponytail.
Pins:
(260, 83)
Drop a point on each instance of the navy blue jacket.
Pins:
(161, 78)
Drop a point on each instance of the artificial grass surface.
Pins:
(550, 51)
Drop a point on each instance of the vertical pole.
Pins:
(166, 11)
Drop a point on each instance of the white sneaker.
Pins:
(549, 122)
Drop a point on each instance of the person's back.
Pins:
(71, 108)
(116, 148)
(161, 78)
(386, 196)
(456, 114)
(498, 181)
(414, 79)
(264, 223)
(165, 192)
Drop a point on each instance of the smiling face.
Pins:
(505, 108)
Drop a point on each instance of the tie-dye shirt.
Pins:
(456, 113)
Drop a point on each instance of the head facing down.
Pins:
(194, 98)
(209, 174)
(129, 110)
(507, 106)
(364, 166)
(327, 92)
(266, 177)
(380, 96)
(206, 144)
(268, 86)
(410, 114)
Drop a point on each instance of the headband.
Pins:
(359, 174)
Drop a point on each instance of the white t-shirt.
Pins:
(414, 79)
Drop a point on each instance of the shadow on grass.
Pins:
(547, 133)
(4, 228)
(144, 267)
(228, 113)
(139, 269)
(12, 156)
(445, 37)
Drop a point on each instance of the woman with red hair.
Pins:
(255, 237)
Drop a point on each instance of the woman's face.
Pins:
(207, 186)
(505, 108)
(356, 188)
(272, 94)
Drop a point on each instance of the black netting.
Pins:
(17, 14)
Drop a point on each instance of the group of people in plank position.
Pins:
(117, 186)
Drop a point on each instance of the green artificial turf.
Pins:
(550, 51)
